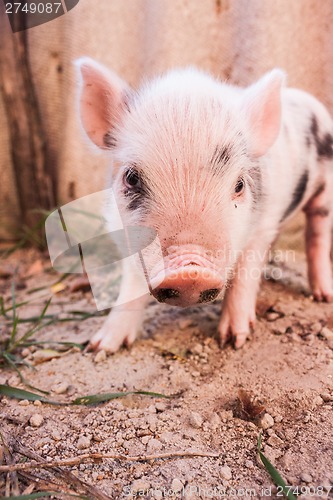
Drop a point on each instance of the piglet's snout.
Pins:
(188, 285)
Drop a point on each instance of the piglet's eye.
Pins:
(132, 178)
(240, 185)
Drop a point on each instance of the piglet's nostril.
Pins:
(167, 293)
(209, 295)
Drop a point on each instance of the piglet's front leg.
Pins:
(124, 321)
(239, 305)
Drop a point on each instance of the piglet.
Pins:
(216, 170)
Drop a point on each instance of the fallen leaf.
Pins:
(58, 287)
(249, 406)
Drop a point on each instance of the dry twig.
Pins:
(98, 457)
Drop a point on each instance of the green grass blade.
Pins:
(44, 494)
(101, 398)
(41, 494)
(33, 329)
(14, 364)
(14, 392)
(274, 473)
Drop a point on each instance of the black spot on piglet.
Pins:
(324, 144)
(298, 195)
(109, 141)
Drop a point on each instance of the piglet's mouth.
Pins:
(187, 285)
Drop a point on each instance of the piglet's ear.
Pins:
(102, 101)
(261, 107)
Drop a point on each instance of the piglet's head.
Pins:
(187, 154)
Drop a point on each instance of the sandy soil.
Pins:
(286, 367)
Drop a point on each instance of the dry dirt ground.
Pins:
(286, 367)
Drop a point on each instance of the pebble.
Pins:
(215, 422)
(36, 420)
(275, 441)
(153, 445)
(196, 420)
(327, 333)
(60, 388)
(266, 421)
(317, 401)
(316, 327)
(37, 403)
(272, 316)
(177, 485)
(24, 402)
(326, 397)
(161, 406)
(55, 434)
(140, 485)
(225, 473)
(100, 356)
(83, 442)
(249, 464)
(197, 349)
(305, 477)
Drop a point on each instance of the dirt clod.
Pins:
(36, 420)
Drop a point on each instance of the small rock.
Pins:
(176, 485)
(60, 388)
(305, 477)
(55, 434)
(37, 403)
(215, 422)
(275, 441)
(327, 333)
(278, 419)
(197, 349)
(161, 406)
(316, 327)
(145, 439)
(153, 445)
(317, 401)
(266, 421)
(195, 419)
(287, 460)
(272, 316)
(100, 356)
(71, 390)
(36, 420)
(24, 402)
(249, 464)
(326, 397)
(140, 485)
(225, 473)
(83, 442)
